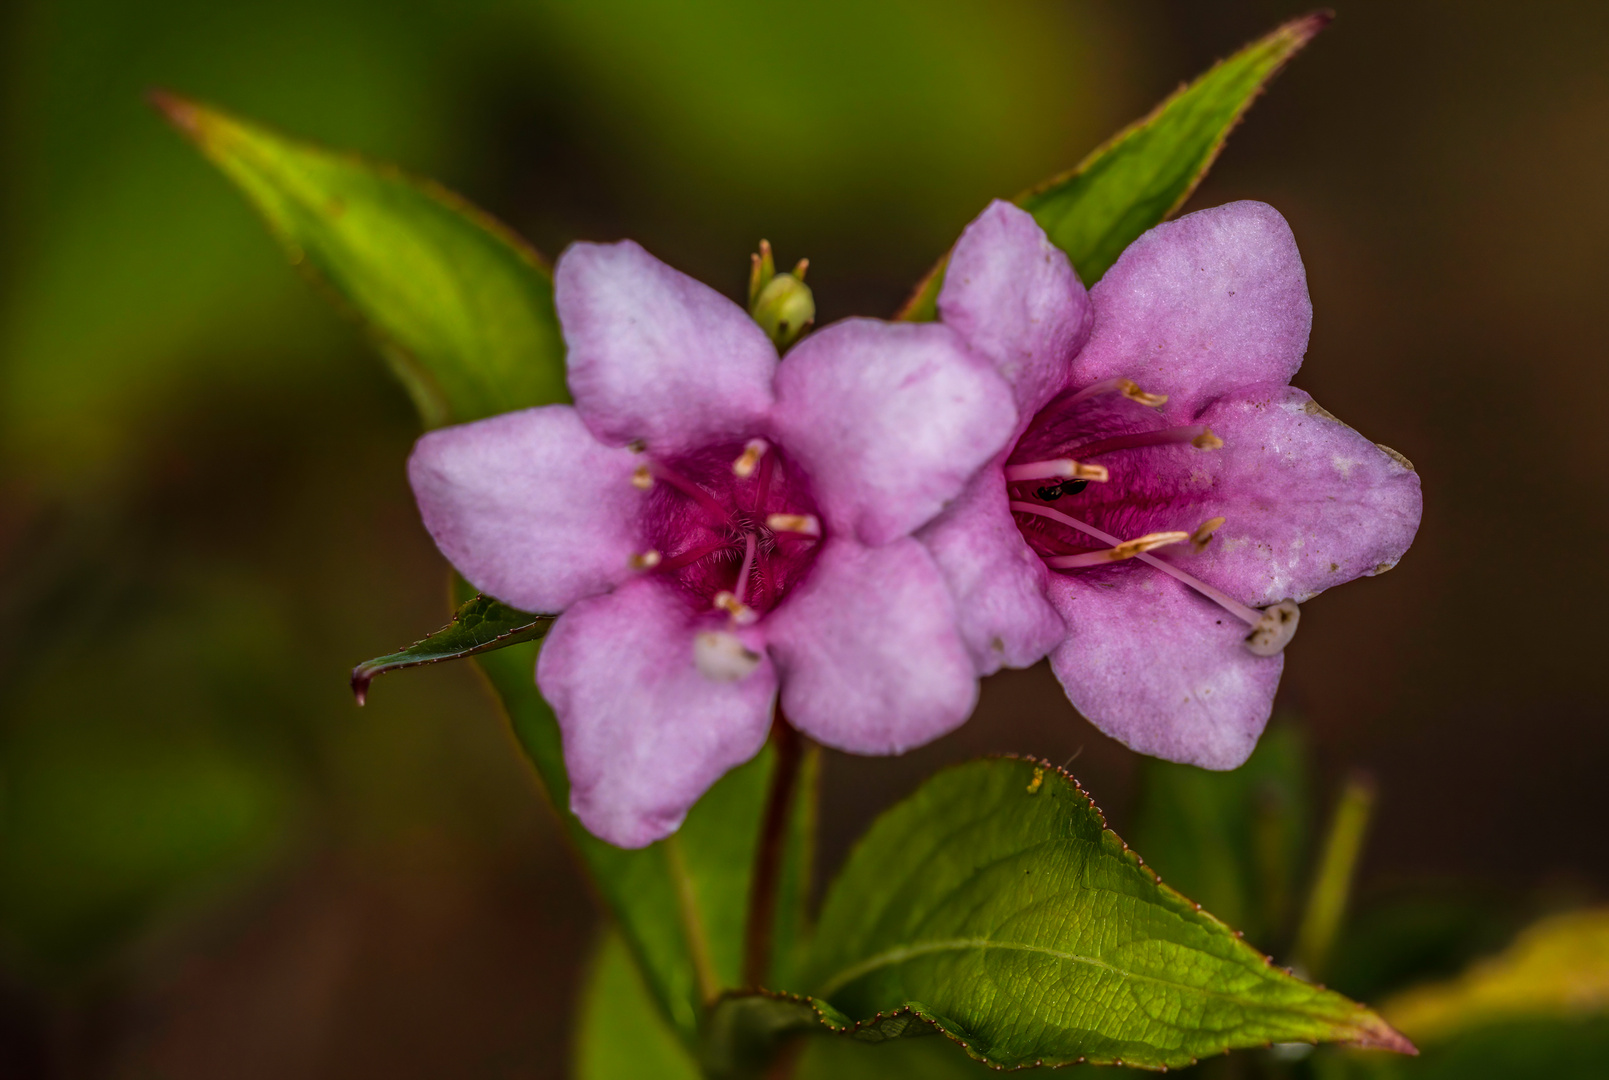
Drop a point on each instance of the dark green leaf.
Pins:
(460, 307)
(1233, 841)
(1147, 171)
(995, 904)
(480, 625)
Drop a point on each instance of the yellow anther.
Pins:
(749, 459)
(1082, 471)
(1141, 544)
(1207, 441)
(1204, 531)
(803, 524)
(741, 613)
(642, 477)
(644, 560)
(1131, 390)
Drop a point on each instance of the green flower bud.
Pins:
(785, 307)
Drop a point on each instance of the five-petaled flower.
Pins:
(1168, 498)
(719, 528)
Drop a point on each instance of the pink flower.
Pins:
(1165, 483)
(718, 527)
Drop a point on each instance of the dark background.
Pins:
(213, 865)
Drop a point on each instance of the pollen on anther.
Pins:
(1207, 441)
(1131, 390)
(749, 459)
(1203, 533)
(741, 613)
(644, 560)
(803, 524)
(642, 478)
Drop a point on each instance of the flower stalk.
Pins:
(762, 917)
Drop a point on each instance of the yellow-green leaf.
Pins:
(460, 307)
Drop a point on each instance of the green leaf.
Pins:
(460, 307)
(620, 1031)
(996, 905)
(680, 904)
(1147, 171)
(480, 625)
(1233, 841)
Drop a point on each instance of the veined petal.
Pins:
(890, 421)
(645, 733)
(529, 506)
(870, 659)
(655, 355)
(1198, 306)
(1160, 669)
(1013, 296)
(1308, 502)
(997, 582)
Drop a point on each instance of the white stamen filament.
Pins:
(741, 589)
(1128, 549)
(721, 656)
(1197, 435)
(1055, 469)
(1248, 615)
(803, 524)
(1127, 387)
(749, 459)
(645, 560)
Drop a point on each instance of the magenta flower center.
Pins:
(732, 527)
(1100, 481)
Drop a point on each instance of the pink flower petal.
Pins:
(1309, 502)
(997, 582)
(890, 420)
(1013, 297)
(529, 506)
(870, 658)
(645, 733)
(1160, 669)
(1201, 305)
(657, 356)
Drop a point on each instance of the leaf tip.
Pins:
(1305, 28)
(1375, 1034)
(180, 111)
(362, 676)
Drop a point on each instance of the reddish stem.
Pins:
(768, 857)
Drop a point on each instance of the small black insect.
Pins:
(1066, 487)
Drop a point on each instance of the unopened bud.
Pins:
(781, 303)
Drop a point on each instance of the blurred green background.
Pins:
(213, 865)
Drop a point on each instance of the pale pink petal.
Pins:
(997, 582)
(1201, 305)
(528, 506)
(870, 659)
(890, 420)
(1308, 501)
(1160, 669)
(645, 733)
(657, 356)
(1013, 297)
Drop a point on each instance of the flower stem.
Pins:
(698, 946)
(768, 856)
